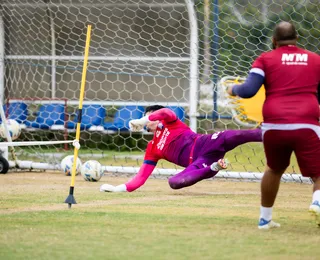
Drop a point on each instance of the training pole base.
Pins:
(70, 200)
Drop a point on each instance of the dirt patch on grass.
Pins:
(94, 204)
(24, 184)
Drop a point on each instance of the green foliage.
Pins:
(245, 30)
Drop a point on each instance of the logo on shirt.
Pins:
(216, 135)
(163, 139)
(294, 59)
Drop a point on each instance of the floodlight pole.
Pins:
(70, 199)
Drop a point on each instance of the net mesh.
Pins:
(140, 54)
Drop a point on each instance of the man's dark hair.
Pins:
(153, 108)
(285, 31)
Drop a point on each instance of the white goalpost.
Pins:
(144, 52)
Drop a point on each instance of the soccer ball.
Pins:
(13, 127)
(66, 165)
(91, 171)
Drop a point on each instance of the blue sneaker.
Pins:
(265, 224)
(314, 209)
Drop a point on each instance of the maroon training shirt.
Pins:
(291, 81)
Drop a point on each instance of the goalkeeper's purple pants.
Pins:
(209, 149)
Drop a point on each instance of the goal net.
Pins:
(143, 52)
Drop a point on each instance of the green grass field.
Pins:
(211, 220)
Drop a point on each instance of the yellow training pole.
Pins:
(70, 199)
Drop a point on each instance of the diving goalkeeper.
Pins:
(174, 141)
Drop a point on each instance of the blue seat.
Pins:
(123, 116)
(92, 115)
(48, 115)
(17, 111)
(180, 112)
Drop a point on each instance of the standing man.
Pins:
(291, 77)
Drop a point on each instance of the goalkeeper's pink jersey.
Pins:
(172, 141)
(291, 78)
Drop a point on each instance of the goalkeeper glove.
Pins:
(111, 188)
(137, 125)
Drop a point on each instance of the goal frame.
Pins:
(53, 58)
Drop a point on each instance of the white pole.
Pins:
(256, 176)
(1, 60)
(8, 137)
(194, 72)
(29, 143)
(104, 103)
(97, 58)
(4, 149)
(53, 55)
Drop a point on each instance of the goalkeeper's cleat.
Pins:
(265, 224)
(219, 165)
(314, 209)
